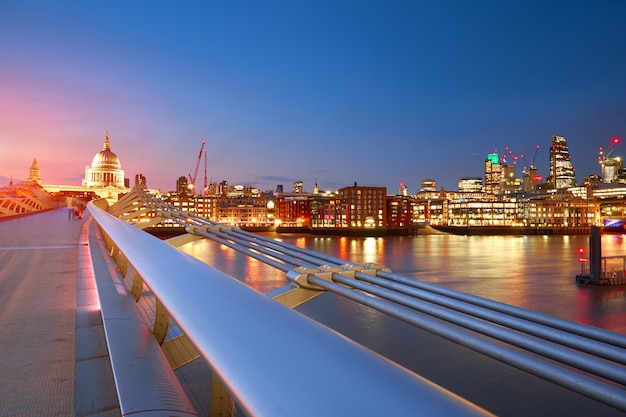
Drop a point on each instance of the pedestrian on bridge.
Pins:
(70, 208)
(80, 209)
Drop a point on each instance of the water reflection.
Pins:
(535, 272)
(254, 273)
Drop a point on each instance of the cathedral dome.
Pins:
(105, 169)
(106, 159)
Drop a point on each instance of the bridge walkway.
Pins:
(53, 356)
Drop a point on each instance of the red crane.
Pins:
(192, 180)
(605, 154)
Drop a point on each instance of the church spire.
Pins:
(107, 144)
(35, 172)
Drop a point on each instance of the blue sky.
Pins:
(381, 93)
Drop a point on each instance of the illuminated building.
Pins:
(562, 213)
(531, 180)
(182, 185)
(104, 178)
(428, 185)
(222, 188)
(614, 191)
(140, 179)
(471, 184)
(562, 173)
(327, 212)
(612, 169)
(399, 211)
(35, 172)
(105, 169)
(293, 211)
(546, 213)
(509, 183)
(361, 209)
(366, 207)
(247, 212)
(201, 205)
(431, 211)
(484, 213)
(297, 187)
(493, 174)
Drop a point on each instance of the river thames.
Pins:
(533, 272)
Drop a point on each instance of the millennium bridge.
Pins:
(100, 318)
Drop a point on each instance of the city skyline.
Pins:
(337, 93)
(520, 163)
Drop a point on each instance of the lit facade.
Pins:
(105, 169)
(243, 211)
(366, 207)
(327, 211)
(35, 173)
(509, 183)
(293, 211)
(470, 184)
(562, 213)
(531, 213)
(399, 211)
(484, 213)
(104, 178)
(431, 211)
(612, 169)
(562, 174)
(140, 180)
(428, 185)
(493, 174)
(182, 185)
(531, 180)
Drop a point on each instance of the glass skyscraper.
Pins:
(562, 174)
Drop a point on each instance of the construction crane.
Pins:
(205, 189)
(192, 180)
(611, 167)
(531, 178)
(532, 162)
(604, 155)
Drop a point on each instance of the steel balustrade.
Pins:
(273, 360)
(440, 311)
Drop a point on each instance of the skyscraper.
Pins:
(493, 174)
(562, 174)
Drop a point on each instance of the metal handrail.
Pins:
(579, 347)
(273, 360)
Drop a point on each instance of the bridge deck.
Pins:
(53, 358)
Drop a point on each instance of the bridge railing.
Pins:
(272, 360)
(581, 358)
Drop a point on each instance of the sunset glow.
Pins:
(381, 94)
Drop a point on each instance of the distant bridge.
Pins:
(26, 197)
